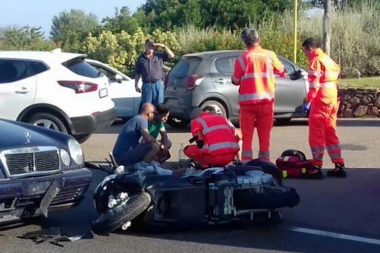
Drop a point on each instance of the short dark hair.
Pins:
(162, 108)
(209, 108)
(249, 36)
(149, 41)
(311, 43)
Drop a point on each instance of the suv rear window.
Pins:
(185, 67)
(14, 70)
(80, 67)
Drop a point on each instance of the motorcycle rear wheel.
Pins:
(115, 218)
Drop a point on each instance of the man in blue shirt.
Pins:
(149, 66)
(129, 151)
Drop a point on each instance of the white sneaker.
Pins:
(119, 170)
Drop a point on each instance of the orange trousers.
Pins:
(194, 153)
(322, 133)
(261, 117)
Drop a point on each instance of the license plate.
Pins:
(103, 93)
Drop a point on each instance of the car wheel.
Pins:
(283, 120)
(177, 123)
(82, 138)
(48, 121)
(219, 108)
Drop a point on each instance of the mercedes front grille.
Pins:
(31, 160)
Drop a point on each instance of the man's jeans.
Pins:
(152, 93)
(134, 155)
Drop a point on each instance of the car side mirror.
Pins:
(297, 75)
(118, 78)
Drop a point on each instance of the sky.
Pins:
(40, 12)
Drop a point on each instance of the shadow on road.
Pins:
(118, 124)
(347, 206)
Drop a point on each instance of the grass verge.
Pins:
(363, 83)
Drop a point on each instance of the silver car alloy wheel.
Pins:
(46, 124)
(218, 110)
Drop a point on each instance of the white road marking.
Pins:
(335, 235)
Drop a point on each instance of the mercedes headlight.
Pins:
(65, 157)
(76, 151)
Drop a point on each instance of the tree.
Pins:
(70, 28)
(342, 4)
(24, 38)
(122, 21)
(169, 14)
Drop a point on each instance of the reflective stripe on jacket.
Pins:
(256, 70)
(323, 74)
(219, 137)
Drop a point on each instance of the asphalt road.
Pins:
(335, 215)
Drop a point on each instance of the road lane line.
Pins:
(335, 235)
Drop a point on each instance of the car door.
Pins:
(221, 73)
(123, 93)
(17, 87)
(290, 94)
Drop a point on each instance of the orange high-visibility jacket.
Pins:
(254, 72)
(219, 137)
(323, 74)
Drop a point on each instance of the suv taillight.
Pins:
(79, 86)
(194, 80)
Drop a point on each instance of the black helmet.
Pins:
(294, 152)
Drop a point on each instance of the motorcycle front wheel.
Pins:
(115, 218)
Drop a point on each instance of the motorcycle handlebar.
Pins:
(97, 167)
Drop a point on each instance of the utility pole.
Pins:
(295, 31)
(326, 27)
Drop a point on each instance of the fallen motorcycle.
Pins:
(242, 194)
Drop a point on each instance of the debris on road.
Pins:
(52, 235)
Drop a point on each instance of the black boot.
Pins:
(314, 172)
(339, 171)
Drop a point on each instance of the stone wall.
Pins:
(356, 103)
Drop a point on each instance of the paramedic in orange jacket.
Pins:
(255, 74)
(323, 74)
(217, 144)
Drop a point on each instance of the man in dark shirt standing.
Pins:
(149, 66)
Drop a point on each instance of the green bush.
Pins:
(355, 37)
(355, 40)
(198, 40)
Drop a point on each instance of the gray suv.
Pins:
(203, 79)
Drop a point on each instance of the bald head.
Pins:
(148, 111)
(147, 108)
